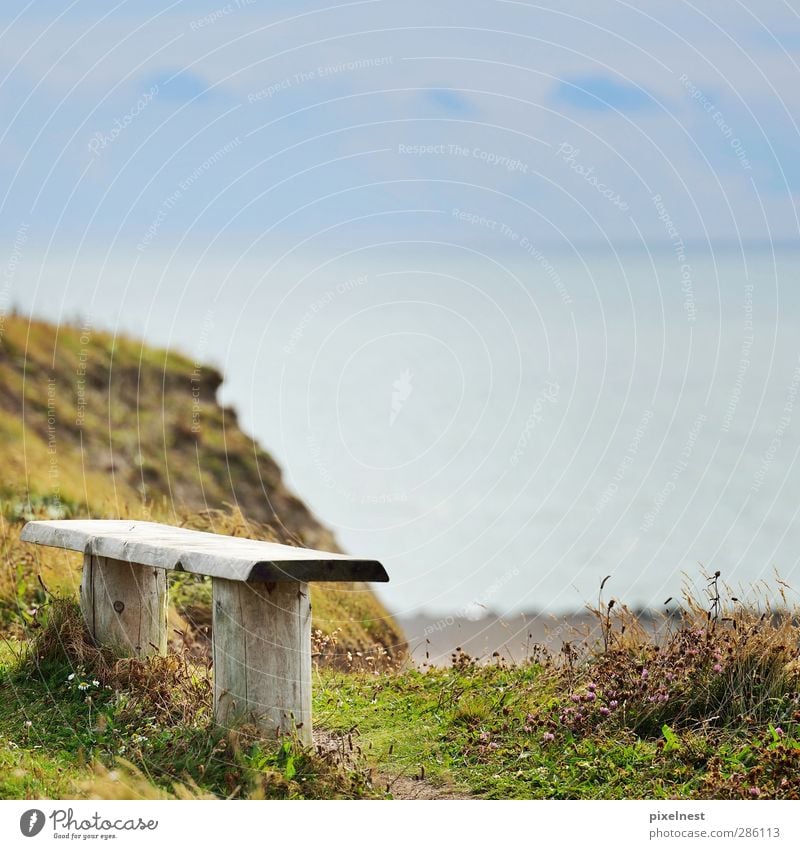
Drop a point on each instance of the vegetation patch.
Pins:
(104, 426)
(77, 721)
(707, 707)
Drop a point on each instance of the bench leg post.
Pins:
(125, 605)
(262, 655)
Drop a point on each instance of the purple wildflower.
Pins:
(548, 737)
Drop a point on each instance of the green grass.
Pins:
(480, 729)
(139, 729)
(98, 425)
(717, 715)
(708, 708)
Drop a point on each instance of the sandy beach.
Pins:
(433, 639)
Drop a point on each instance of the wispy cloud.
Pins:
(450, 101)
(597, 92)
(181, 85)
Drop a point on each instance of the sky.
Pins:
(153, 126)
(396, 226)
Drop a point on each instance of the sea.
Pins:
(503, 429)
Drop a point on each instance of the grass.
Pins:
(708, 709)
(481, 730)
(76, 721)
(104, 426)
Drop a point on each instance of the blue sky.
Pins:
(594, 100)
(214, 176)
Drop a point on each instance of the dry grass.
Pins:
(126, 781)
(173, 688)
(715, 660)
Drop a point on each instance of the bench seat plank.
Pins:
(199, 552)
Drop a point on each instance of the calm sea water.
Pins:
(502, 431)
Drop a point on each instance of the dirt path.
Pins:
(406, 787)
(401, 786)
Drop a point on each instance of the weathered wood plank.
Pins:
(233, 558)
(125, 605)
(262, 655)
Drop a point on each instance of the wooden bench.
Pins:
(261, 609)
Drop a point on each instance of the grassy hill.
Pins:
(105, 426)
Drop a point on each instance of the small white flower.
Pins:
(28, 723)
(83, 686)
(95, 683)
(70, 676)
